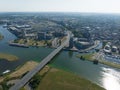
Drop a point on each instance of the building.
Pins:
(49, 36)
(83, 43)
(41, 35)
(29, 34)
(58, 34)
(114, 49)
(107, 49)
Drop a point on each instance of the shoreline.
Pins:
(19, 72)
(89, 57)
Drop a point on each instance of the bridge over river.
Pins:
(30, 74)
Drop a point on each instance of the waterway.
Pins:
(103, 75)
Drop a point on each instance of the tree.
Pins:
(82, 58)
(35, 81)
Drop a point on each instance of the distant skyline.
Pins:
(95, 6)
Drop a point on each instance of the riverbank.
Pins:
(91, 57)
(19, 71)
(8, 57)
(28, 66)
(48, 75)
(9, 79)
(32, 42)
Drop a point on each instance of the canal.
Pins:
(103, 75)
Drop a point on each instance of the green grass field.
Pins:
(60, 80)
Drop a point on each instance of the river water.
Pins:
(103, 75)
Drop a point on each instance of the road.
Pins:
(92, 47)
(29, 75)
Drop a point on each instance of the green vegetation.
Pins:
(35, 81)
(86, 56)
(4, 85)
(8, 57)
(77, 33)
(54, 79)
(22, 88)
(61, 80)
(91, 56)
(6, 79)
(32, 42)
(104, 43)
(48, 43)
(110, 64)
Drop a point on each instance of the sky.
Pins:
(99, 6)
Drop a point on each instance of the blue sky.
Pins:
(104, 6)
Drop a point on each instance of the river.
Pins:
(103, 75)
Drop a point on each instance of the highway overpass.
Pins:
(30, 74)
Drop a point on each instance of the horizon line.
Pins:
(58, 12)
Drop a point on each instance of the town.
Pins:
(43, 30)
(94, 38)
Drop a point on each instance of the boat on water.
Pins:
(6, 71)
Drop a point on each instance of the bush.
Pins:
(82, 58)
(35, 81)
